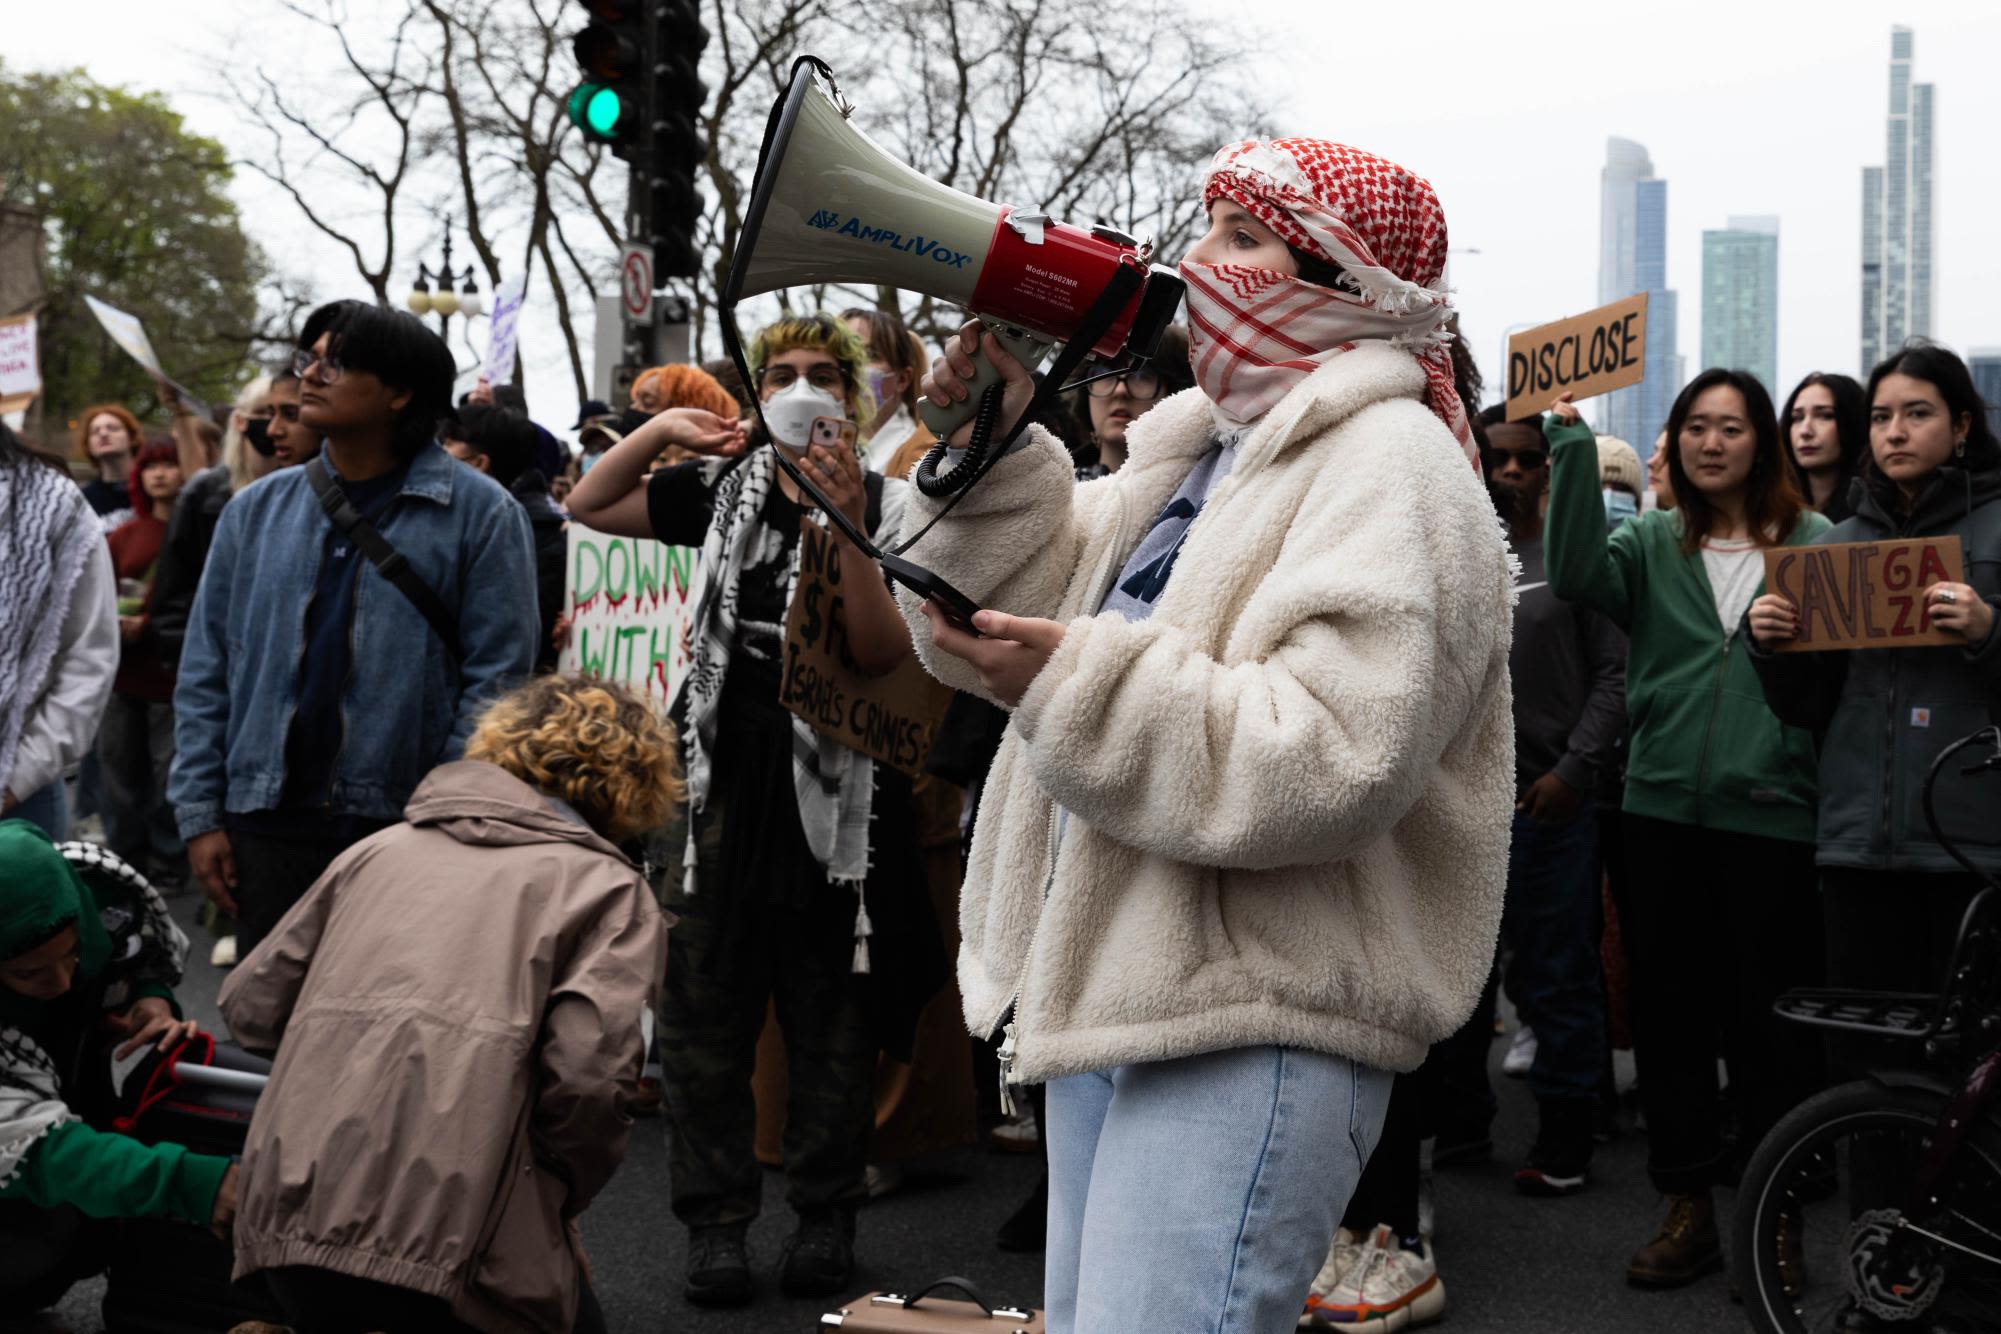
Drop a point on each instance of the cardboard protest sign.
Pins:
(888, 718)
(20, 364)
(1864, 594)
(1593, 353)
(631, 604)
(501, 327)
(126, 331)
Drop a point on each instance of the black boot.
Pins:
(718, 1267)
(820, 1257)
(1560, 1162)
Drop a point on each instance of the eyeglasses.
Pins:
(305, 360)
(777, 379)
(1140, 383)
(1529, 459)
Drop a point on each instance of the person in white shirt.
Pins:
(894, 440)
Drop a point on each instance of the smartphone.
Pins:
(831, 431)
(958, 609)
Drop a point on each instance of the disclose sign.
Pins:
(1585, 355)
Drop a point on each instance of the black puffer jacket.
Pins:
(182, 555)
(1885, 714)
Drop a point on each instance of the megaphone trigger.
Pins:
(1026, 348)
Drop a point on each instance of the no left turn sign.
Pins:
(635, 282)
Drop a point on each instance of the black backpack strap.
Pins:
(387, 560)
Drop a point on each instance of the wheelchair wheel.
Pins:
(1822, 1242)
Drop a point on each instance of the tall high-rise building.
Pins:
(1740, 298)
(1898, 239)
(1985, 363)
(1632, 257)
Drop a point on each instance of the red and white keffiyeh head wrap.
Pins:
(1254, 333)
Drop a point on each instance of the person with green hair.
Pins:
(801, 880)
(86, 948)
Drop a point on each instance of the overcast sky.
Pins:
(1746, 108)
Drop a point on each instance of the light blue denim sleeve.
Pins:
(199, 779)
(498, 619)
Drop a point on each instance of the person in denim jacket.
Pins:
(313, 695)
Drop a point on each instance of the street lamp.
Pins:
(446, 301)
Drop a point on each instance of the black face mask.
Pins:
(258, 432)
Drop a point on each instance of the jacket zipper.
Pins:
(1890, 764)
(1709, 733)
(1009, 1019)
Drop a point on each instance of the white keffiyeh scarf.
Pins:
(45, 539)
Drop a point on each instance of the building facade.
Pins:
(1985, 363)
(1899, 240)
(1632, 257)
(1740, 298)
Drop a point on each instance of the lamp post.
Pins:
(445, 302)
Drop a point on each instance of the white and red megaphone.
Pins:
(832, 206)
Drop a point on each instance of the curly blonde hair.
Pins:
(594, 744)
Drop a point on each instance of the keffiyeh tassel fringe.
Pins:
(864, 928)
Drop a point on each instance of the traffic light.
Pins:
(610, 105)
(678, 148)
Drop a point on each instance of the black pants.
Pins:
(1388, 1190)
(1720, 925)
(730, 956)
(44, 1252)
(1888, 931)
(274, 871)
(135, 747)
(321, 1301)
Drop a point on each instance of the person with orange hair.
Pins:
(664, 388)
(107, 435)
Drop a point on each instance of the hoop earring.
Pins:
(1959, 448)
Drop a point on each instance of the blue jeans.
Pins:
(1552, 926)
(1201, 1194)
(48, 808)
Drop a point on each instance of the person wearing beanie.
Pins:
(1241, 854)
(1622, 477)
(86, 948)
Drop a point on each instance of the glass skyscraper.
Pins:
(1985, 363)
(1632, 257)
(1740, 298)
(1897, 234)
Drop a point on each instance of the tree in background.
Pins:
(135, 212)
(1090, 111)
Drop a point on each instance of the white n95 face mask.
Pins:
(791, 412)
(1619, 505)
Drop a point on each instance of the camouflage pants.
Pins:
(729, 957)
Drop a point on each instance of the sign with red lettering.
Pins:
(1593, 353)
(1864, 594)
(889, 718)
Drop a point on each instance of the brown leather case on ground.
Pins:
(922, 1312)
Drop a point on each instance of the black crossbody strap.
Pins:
(387, 560)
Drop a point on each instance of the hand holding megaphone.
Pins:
(957, 377)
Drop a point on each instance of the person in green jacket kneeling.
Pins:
(1721, 915)
(81, 967)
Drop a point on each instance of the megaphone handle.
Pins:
(1027, 348)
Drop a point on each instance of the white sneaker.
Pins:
(1342, 1257)
(1016, 1136)
(224, 953)
(1521, 1053)
(1388, 1289)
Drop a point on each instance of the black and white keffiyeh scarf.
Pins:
(47, 532)
(835, 785)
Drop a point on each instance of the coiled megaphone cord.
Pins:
(977, 445)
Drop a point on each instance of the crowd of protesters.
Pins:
(1288, 744)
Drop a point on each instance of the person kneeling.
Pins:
(455, 1007)
(82, 961)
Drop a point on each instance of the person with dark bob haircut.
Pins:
(1894, 897)
(391, 347)
(1826, 424)
(314, 691)
(1721, 914)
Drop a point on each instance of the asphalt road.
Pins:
(1508, 1263)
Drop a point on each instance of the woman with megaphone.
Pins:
(800, 870)
(1241, 855)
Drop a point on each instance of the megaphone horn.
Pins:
(830, 205)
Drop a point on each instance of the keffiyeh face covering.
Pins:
(1255, 332)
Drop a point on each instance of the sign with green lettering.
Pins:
(631, 603)
(889, 718)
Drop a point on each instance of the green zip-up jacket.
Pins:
(1706, 750)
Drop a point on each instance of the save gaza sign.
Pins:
(631, 604)
(1864, 594)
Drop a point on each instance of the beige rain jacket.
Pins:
(455, 1007)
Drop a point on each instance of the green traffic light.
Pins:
(600, 112)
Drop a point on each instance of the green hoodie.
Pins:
(1706, 750)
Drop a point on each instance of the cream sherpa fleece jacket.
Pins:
(1291, 788)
